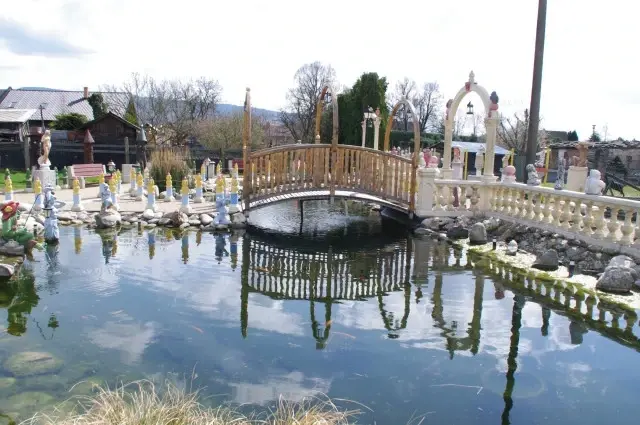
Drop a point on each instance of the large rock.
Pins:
(238, 221)
(457, 232)
(622, 261)
(436, 223)
(148, 214)
(478, 234)
(12, 248)
(30, 363)
(29, 401)
(6, 270)
(548, 261)
(108, 219)
(176, 218)
(617, 279)
(206, 219)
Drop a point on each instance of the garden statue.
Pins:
(581, 160)
(426, 153)
(43, 161)
(594, 185)
(105, 196)
(221, 216)
(506, 159)
(10, 230)
(560, 177)
(533, 179)
(51, 230)
(479, 161)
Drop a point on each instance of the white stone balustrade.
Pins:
(600, 220)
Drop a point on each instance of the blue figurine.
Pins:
(221, 207)
(51, 230)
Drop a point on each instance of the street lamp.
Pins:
(469, 108)
(42, 107)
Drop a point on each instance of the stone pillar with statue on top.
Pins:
(578, 169)
(43, 170)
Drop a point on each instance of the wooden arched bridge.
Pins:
(328, 171)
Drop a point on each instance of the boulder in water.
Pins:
(30, 363)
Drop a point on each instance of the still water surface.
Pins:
(407, 327)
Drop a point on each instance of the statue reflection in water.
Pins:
(220, 247)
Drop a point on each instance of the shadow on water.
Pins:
(367, 297)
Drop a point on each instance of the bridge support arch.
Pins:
(416, 146)
(491, 120)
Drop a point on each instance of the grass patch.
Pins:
(142, 403)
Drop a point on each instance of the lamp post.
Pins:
(469, 108)
(141, 142)
(369, 117)
(42, 107)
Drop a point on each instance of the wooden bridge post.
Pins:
(334, 145)
(246, 151)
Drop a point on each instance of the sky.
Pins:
(590, 50)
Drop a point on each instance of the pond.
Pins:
(352, 309)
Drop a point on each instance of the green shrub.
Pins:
(169, 160)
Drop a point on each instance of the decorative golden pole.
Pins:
(547, 157)
(246, 151)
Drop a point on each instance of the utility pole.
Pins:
(536, 86)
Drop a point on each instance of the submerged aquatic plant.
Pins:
(141, 403)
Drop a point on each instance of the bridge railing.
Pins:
(299, 168)
(600, 220)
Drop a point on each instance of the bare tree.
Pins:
(225, 132)
(403, 89)
(512, 132)
(477, 125)
(428, 105)
(300, 113)
(174, 106)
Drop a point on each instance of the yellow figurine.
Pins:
(198, 180)
(220, 184)
(139, 179)
(234, 185)
(169, 181)
(184, 190)
(8, 185)
(37, 187)
(219, 169)
(76, 186)
(151, 186)
(101, 178)
(112, 185)
(132, 175)
(235, 170)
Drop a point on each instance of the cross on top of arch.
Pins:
(472, 77)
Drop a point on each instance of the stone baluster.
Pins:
(475, 198)
(537, 208)
(547, 210)
(588, 221)
(139, 186)
(440, 199)
(590, 302)
(602, 313)
(524, 204)
(198, 198)
(168, 197)
(184, 193)
(630, 319)
(566, 214)
(576, 226)
(599, 221)
(132, 179)
(613, 225)
(556, 212)
(113, 188)
(37, 191)
(627, 228)
(448, 196)
(77, 202)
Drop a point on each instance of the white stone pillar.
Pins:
(576, 178)
(364, 132)
(491, 125)
(376, 133)
(446, 156)
(426, 189)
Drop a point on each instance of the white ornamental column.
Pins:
(491, 125)
(447, 172)
(364, 132)
(426, 187)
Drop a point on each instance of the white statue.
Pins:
(105, 196)
(594, 185)
(457, 163)
(533, 179)
(43, 160)
(479, 161)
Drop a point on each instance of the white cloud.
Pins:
(588, 67)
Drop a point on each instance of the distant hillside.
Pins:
(226, 109)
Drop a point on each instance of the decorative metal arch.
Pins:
(334, 103)
(416, 145)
